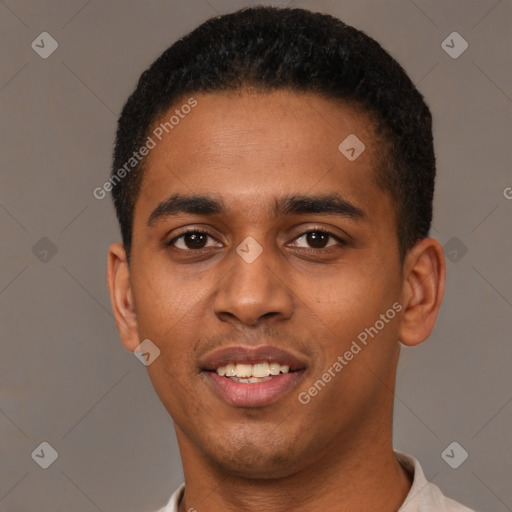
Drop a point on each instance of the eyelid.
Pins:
(343, 241)
(185, 231)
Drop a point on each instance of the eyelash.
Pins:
(205, 231)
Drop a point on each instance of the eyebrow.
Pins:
(329, 204)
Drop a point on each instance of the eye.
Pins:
(193, 240)
(318, 239)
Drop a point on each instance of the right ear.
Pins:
(121, 297)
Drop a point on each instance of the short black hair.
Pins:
(270, 48)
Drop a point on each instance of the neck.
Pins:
(366, 476)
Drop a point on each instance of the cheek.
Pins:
(348, 313)
(347, 301)
(167, 301)
(175, 390)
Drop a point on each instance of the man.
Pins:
(273, 179)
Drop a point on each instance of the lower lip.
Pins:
(254, 394)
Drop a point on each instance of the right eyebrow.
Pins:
(175, 204)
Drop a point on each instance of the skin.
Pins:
(335, 453)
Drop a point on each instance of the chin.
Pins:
(263, 458)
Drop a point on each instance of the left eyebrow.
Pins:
(330, 204)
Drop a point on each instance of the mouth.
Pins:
(252, 377)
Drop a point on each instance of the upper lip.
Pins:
(249, 355)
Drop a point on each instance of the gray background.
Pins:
(65, 377)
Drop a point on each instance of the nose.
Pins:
(253, 291)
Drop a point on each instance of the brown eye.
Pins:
(195, 240)
(318, 239)
(192, 240)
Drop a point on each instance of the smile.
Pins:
(252, 372)
(252, 377)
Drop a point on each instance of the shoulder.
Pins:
(424, 496)
(172, 504)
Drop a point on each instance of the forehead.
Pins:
(251, 147)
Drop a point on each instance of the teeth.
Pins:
(230, 370)
(250, 371)
(275, 368)
(260, 370)
(243, 370)
(250, 380)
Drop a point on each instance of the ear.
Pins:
(118, 281)
(423, 290)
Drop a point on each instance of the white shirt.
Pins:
(423, 495)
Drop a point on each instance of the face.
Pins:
(287, 258)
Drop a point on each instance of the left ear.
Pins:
(423, 289)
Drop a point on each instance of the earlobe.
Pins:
(423, 290)
(121, 297)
